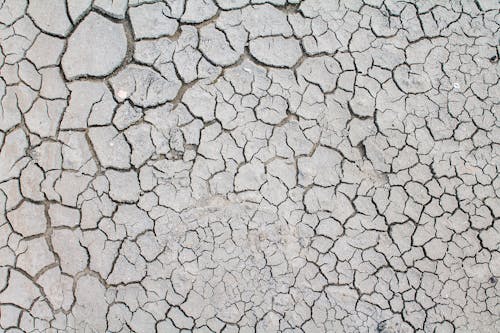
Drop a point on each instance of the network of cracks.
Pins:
(249, 166)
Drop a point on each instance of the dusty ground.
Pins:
(249, 166)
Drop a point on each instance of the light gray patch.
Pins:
(96, 48)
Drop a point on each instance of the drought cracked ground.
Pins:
(249, 166)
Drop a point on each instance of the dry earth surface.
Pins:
(249, 166)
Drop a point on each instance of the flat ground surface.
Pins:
(249, 166)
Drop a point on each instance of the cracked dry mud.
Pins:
(249, 166)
